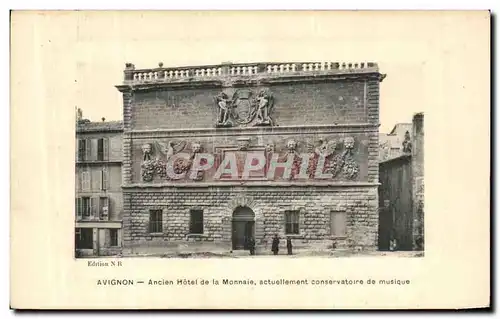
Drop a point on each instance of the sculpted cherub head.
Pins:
(146, 149)
(349, 143)
(196, 147)
(291, 145)
(270, 147)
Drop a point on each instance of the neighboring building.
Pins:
(401, 194)
(99, 202)
(391, 145)
(318, 109)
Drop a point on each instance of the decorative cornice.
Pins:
(247, 74)
(250, 131)
(248, 81)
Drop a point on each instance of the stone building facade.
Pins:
(98, 201)
(401, 194)
(392, 145)
(278, 111)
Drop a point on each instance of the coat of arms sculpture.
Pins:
(244, 108)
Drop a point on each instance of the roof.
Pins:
(404, 157)
(401, 128)
(86, 126)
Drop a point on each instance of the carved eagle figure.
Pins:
(322, 147)
(170, 148)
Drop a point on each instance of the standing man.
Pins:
(251, 245)
(276, 244)
(289, 245)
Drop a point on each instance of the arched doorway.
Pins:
(243, 227)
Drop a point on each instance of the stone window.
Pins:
(113, 237)
(338, 223)
(85, 180)
(83, 207)
(155, 221)
(102, 149)
(84, 238)
(83, 150)
(104, 207)
(196, 221)
(292, 222)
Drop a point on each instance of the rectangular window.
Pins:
(113, 237)
(100, 149)
(85, 180)
(196, 221)
(104, 179)
(155, 221)
(82, 150)
(104, 208)
(292, 222)
(85, 207)
(84, 238)
(338, 223)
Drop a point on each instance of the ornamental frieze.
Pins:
(326, 159)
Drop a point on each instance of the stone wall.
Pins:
(418, 180)
(338, 102)
(269, 206)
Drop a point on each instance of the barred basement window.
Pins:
(155, 221)
(196, 221)
(338, 223)
(292, 222)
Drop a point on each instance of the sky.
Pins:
(404, 46)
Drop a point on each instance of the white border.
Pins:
(181, 5)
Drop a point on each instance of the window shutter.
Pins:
(83, 180)
(106, 148)
(86, 180)
(78, 208)
(81, 150)
(93, 207)
(104, 178)
(88, 146)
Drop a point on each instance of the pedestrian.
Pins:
(251, 244)
(276, 244)
(289, 245)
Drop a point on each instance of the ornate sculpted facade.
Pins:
(295, 143)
